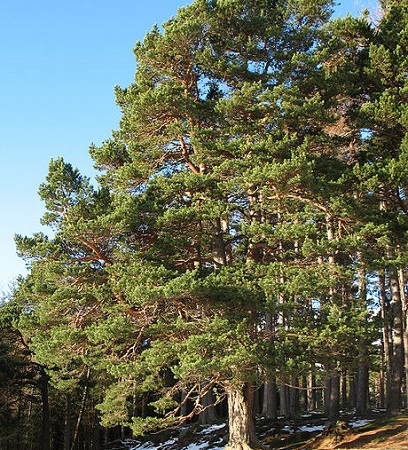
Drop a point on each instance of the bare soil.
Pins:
(384, 435)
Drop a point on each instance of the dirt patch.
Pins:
(386, 435)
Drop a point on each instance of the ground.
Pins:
(309, 432)
(385, 435)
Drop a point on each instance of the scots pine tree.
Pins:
(219, 145)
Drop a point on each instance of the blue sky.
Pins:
(59, 63)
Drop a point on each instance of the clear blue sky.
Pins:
(59, 63)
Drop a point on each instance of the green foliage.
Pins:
(258, 173)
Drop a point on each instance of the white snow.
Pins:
(203, 444)
(311, 429)
(212, 428)
(194, 446)
(145, 446)
(360, 423)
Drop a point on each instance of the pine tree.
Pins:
(66, 286)
(373, 61)
(253, 191)
(214, 139)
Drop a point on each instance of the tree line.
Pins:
(244, 250)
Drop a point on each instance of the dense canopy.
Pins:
(244, 249)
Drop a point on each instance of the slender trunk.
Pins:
(208, 415)
(241, 423)
(303, 394)
(381, 387)
(185, 407)
(362, 369)
(255, 253)
(362, 390)
(334, 395)
(397, 365)
(82, 410)
(219, 250)
(269, 405)
(67, 425)
(294, 397)
(311, 393)
(333, 381)
(96, 435)
(401, 277)
(326, 392)
(387, 342)
(330, 238)
(29, 419)
(284, 400)
(344, 389)
(352, 390)
(46, 418)
(257, 402)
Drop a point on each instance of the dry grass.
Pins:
(385, 435)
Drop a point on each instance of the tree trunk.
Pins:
(326, 392)
(96, 434)
(362, 390)
(82, 410)
(303, 394)
(362, 370)
(401, 277)
(381, 388)
(219, 250)
(294, 397)
(269, 404)
(352, 390)
(46, 418)
(240, 420)
(284, 400)
(343, 389)
(387, 343)
(67, 425)
(311, 392)
(208, 415)
(397, 365)
(334, 395)
(185, 404)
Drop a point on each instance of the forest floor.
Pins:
(309, 432)
(389, 434)
(314, 432)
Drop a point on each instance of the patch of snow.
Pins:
(212, 428)
(194, 446)
(204, 445)
(311, 429)
(360, 423)
(168, 443)
(145, 446)
(315, 412)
